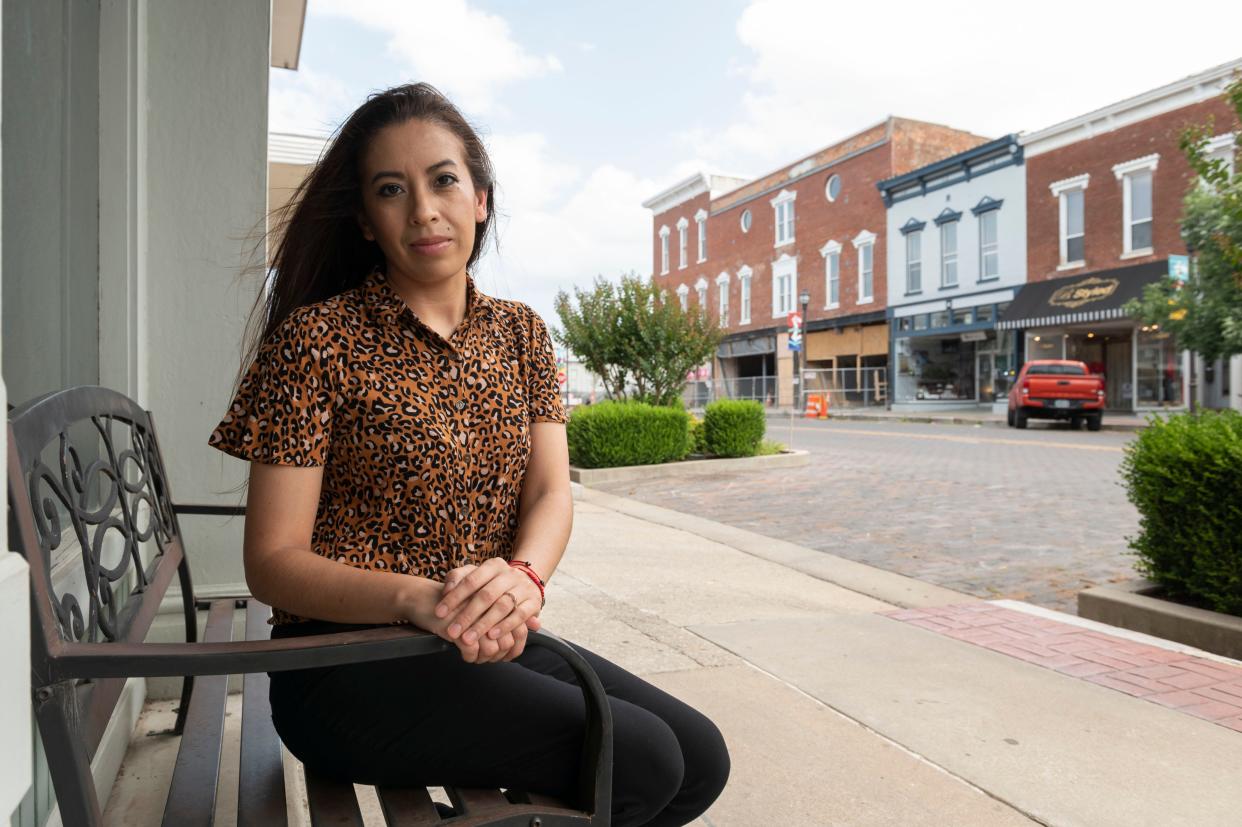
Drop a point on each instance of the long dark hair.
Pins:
(321, 251)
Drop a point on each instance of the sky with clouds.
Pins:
(588, 109)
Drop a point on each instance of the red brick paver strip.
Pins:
(1204, 688)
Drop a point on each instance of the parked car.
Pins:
(1057, 389)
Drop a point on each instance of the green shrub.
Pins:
(733, 428)
(769, 447)
(1184, 475)
(697, 443)
(609, 434)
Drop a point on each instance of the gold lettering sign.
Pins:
(1084, 292)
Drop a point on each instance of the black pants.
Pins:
(435, 720)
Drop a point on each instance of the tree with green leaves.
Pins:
(630, 333)
(1205, 314)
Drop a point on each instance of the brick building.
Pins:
(746, 249)
(1104, 198)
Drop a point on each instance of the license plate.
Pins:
(1061, 403)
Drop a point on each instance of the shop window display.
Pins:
(1159, 369)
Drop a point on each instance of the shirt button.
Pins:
(461, 405)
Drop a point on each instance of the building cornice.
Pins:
(1190, 90)
(692, 187)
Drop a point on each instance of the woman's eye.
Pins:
(446, 180)
(384, 191)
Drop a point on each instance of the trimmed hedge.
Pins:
(697, 443)
(610, 434)
(1184, 475)
(733, 428)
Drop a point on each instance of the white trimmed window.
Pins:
(682, 227)
(683, 294)
(864, 243)
(989, 246)
(784, 285)
(914, 261)
(1136, 201)
(1221, 148)
(743, 282)
(1071, 195)
(783, 204)
(722, 289)
(948, 254)
(700, 287)
(700, 218)
(664, 233)
(832, 274)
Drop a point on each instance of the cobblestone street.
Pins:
(1031, 515)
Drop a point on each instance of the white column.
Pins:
(1234, 366)
(15, 732)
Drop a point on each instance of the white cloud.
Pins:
(821, 71)
(466, 53)
(559, 227)
(306, 101)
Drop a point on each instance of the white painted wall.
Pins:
(205, 192)
(1007, 184)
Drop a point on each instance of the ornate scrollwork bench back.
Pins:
(99, 513)
(92, 512)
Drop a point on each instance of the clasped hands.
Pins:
(487, 611)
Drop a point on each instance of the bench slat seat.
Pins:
(84, 646)
(407, 806)
(261, 773)
(332, 803)
(196, 776)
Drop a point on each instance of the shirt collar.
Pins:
(388, 308)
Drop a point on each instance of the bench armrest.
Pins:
(126, 660)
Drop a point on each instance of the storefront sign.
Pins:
(975, 336)
(1084, 292)
(795, 331)
(1179, 269)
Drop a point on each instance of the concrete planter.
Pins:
(1136, 605)
(687, 468)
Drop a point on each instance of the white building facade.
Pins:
(956, 257)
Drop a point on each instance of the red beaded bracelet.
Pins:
(529, 571)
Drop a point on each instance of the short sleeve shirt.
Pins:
(424, 441)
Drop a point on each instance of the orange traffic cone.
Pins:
(813, 406)
(823, 408)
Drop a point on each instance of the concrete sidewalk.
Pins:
(839, 712)
(961, 416)
(852, 696)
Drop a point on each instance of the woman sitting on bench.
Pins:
(409, 465)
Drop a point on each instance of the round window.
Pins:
(833, 188)
(745, 221)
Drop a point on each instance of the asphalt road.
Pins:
(1030, 515)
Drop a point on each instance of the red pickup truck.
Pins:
(1057, 389)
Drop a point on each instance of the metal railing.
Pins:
(848, 387)
(841, 388)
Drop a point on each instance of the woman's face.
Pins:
(419, 203)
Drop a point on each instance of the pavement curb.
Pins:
(885, 586)
(925, 419)
(687, 468)
(1131, 606)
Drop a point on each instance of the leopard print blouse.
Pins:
(424, 442)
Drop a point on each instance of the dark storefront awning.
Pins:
(747, 345)
(1087, 297)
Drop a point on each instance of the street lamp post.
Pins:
(1190, 285)
(804, 299)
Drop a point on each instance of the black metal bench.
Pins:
(85, 466)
